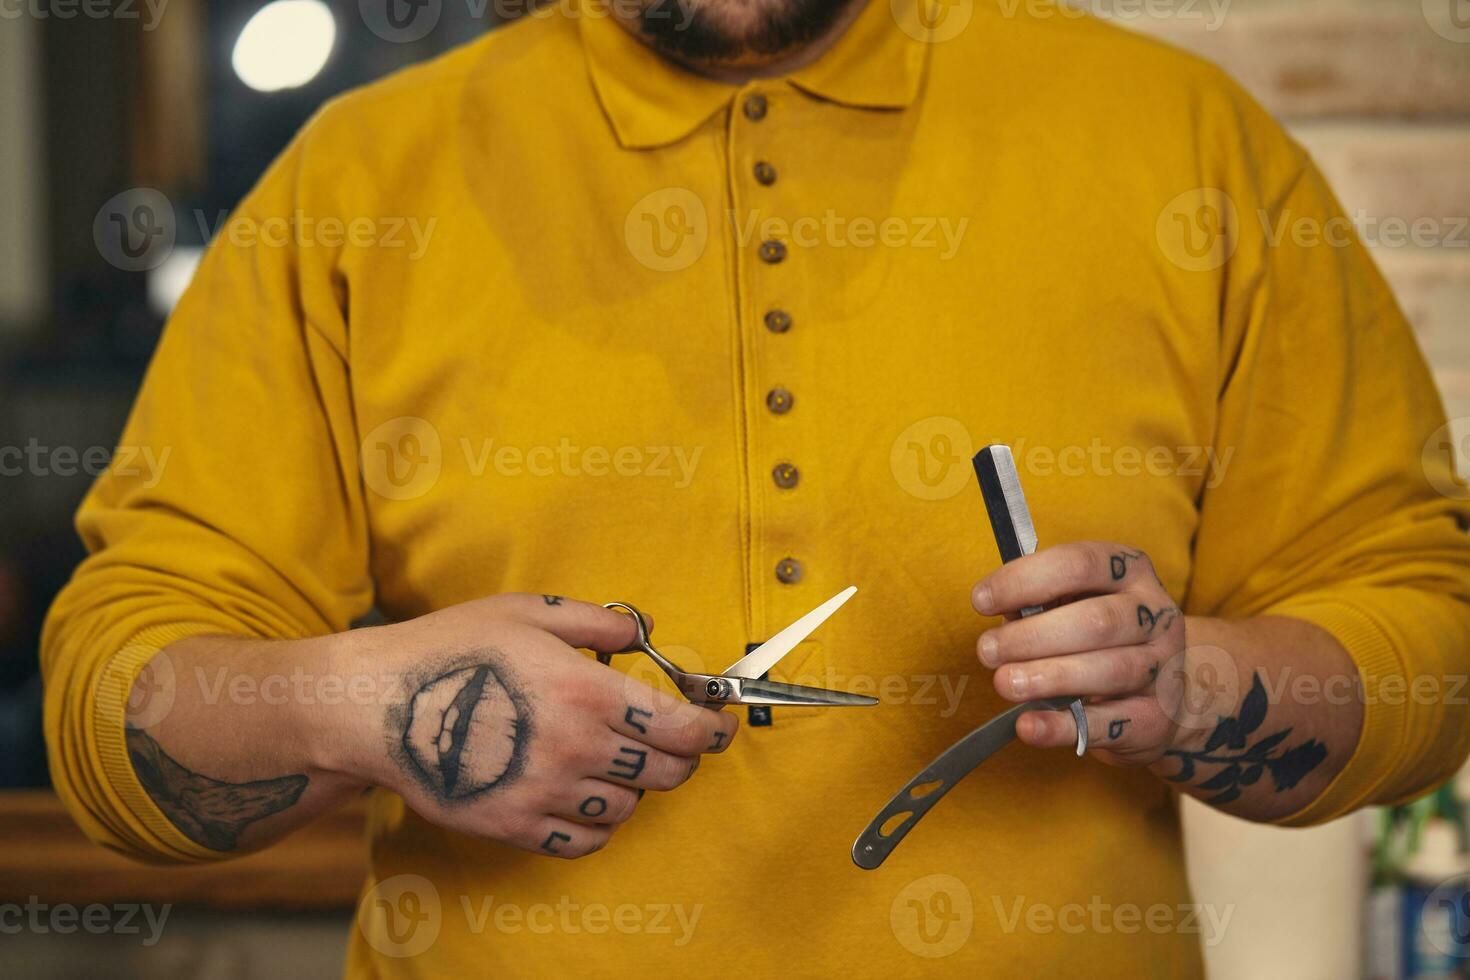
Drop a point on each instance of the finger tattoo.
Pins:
(634, 723)
(631, 767)
(1119, 563)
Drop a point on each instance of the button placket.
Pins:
(779, 400)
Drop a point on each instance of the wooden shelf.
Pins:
(43, 853)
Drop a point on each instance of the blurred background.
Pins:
(130, 128)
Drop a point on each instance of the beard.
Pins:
(736, 31)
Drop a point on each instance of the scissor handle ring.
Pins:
(642, 643)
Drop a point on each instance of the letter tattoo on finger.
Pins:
(633, 722)
(631, 767)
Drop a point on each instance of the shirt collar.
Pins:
(876, 64)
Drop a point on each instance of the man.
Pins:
(716, 303)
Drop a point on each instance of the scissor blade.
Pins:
(1005, 501)
(768, 654)
(773, 692)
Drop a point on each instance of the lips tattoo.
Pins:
(465, 731)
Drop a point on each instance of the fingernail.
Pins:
(989, 650)
(1020, 684)
(983, 600)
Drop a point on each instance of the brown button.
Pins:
(778, 321)
(755, 107)
(779, 400)
(765, 173)
(789, 571)
(785, 475)
(772, 251)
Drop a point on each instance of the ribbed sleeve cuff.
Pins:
(1385, 720)
(148, 706)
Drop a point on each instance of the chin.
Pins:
(737, 32)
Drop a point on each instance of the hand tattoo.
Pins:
(210, 812)
(464, 731)
(634, 723)
(632, 767)
(552, 600)
(1149, 620)
(592, 806)
(1245, 766)
(719, 740)
(1115, 728)
(1119, 563)
(549, 844)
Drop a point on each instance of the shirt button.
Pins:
(779, 400)
(778, 321)
(755, 107)
(785, 475)
(789, 571)
(765, 173)
(772, 251)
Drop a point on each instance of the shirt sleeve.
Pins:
(1339, 505)
(247, 520)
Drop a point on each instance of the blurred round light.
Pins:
(284, 45)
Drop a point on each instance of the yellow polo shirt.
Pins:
(549, 314)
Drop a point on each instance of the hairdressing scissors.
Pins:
(742, 682)
(1015, 537)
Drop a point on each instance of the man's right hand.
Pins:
(499, 728)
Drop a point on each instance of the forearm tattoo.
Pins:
(464, 729)
(1242, 766)
(210, 812)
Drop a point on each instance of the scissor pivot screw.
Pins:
(717, 689)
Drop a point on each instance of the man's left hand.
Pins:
(1108, 630)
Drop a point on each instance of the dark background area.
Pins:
(121, 103)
